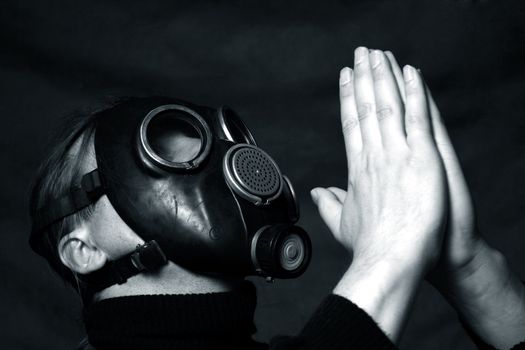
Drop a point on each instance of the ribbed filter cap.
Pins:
(283, 251)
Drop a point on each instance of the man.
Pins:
(406, 216)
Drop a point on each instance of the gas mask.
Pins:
(193, 184)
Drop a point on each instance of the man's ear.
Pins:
(78, 252)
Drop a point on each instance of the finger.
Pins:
(339, 193)
(456, 180)
(397, 73)
(365, 101)
(417, 119)
(389, 105)
(439, 130)
(329, 208)
(349, 122)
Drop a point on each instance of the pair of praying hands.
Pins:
(407, 213)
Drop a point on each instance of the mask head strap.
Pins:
(90, 190)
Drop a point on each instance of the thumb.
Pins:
(329, 208)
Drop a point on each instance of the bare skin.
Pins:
(392, 216)
(404, 183)
(473, 277)
(105, 236)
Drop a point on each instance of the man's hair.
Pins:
(60, 171)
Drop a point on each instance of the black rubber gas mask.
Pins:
(192, 182)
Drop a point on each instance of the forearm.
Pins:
(489, 298)
(385, 291)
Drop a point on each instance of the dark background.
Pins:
(278, 67)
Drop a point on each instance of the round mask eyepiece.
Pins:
(233, 127)
(291, 198)
(252, 174)
(281, 251)
(174, 137)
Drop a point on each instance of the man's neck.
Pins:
(171, 279)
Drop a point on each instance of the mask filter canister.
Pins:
(281, 250)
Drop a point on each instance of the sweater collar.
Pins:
(134, 320)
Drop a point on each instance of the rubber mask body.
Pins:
(196, 217)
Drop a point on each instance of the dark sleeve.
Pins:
(336, 324)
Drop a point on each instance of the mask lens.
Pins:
(174, 137)
(234, 128)
(293, 204)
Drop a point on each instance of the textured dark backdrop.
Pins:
(278, 66)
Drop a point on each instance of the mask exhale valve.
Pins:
(252, 174)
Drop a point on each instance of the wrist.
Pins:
(484, 273)
(488, 297)
(383, 289)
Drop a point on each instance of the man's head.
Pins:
(83, 241)
(189, 180)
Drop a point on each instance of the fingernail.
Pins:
(315, 195)
(409, 73)
(360, 54)
(375, 58)
(345, 76)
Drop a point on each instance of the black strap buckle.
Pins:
(92, 184)
(148, 257)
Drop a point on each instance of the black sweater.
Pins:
(222, 321)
